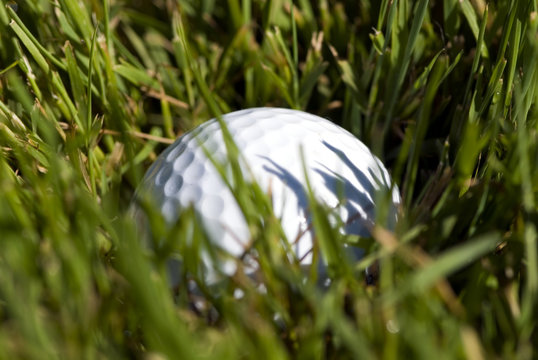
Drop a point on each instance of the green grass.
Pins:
(445, 92)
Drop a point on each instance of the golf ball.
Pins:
(279, 149)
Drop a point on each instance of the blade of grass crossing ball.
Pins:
(193, 245)
(233, 154)
(236, 183)
(251, 199)
(325, 236)
(257, 209)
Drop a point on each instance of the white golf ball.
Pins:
(275, 145)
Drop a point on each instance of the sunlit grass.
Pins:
(444, 92)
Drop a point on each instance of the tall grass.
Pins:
(444, 91)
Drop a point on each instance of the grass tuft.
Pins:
(444, 92)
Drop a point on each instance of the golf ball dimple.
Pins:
(276, 146)
(173, 185)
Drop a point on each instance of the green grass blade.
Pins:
(399, 75)
(446, 264)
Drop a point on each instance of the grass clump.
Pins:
(445, 92)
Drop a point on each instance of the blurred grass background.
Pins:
(444, 92)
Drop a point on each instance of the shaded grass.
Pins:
(444, 92)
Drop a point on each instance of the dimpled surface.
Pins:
(343, 173)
